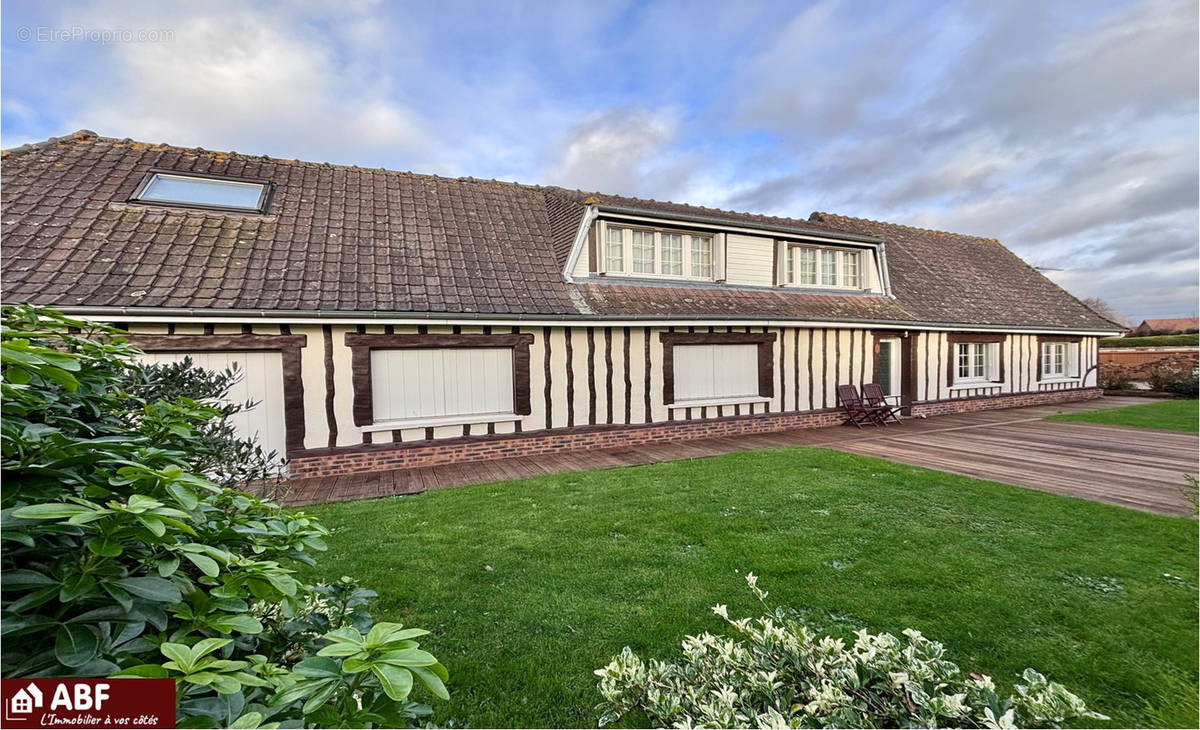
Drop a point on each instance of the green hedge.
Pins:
(1191, 340)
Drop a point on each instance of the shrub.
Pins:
(121, 559)
(1169, 370)
(1189, 388)
(780, 674)
(1113, 376)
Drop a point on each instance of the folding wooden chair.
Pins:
(873, 395)
(857, 412)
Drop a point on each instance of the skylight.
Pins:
(204, 192)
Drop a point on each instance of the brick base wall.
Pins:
(995, 402)
(383, 457)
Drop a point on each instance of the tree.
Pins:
(1104, 309)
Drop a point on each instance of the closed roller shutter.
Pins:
(261, 382)
(715, 372)
(441, 383)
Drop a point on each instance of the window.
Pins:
(643, 252)
(672, 254)
(1059, 360)
(850, 268)
(825, 267)
(972, 360)
(615, 250)
(715, 372)
(204, 192)
(701, 256)
(655, 253)
(451, 383)
(829, 268)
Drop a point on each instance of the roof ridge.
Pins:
(837, 216)
(30, 146)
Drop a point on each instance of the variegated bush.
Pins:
(778, 673)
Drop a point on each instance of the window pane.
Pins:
(643, 252)
(672, 254)
(808, 266)
(849, 268)
(203, 191)
(615, 250)
(829, 268)
(964, 360)
(702, 256)
(791, 265)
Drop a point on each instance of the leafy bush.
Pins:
(121, 559)
(1163, 373)
(1114, 376)
(780, 674)
(1189, 388)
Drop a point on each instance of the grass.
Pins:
(1171, 415)
(530, 585)
(1191, 340)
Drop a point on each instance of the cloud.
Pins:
(618, 151)
(232, 76)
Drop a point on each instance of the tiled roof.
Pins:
(349, 239)
(950, 277)
(1173, 324)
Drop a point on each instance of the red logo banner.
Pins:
(88, 703)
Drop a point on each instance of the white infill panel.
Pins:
(715, 372)
(441, 382)
(261, 382)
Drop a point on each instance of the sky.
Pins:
(1068, 130)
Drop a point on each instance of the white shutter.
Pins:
(261, 381)
(441, 382)
(1072, 360)
(992, 362)
(715, 372)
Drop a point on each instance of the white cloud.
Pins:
(234, 77)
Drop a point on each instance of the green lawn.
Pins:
(1173, 415)
(528, 586)
(1155, 341)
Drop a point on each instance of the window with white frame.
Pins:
(828, 268)
(1059, 360)
(657, 253)
(976, 362)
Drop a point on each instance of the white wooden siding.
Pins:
(441, 382)
(261, 381)
(715, 372)
(749, 260)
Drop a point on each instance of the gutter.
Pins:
(168, 314)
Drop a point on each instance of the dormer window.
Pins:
(826, 268)
(647, 252)
(192, 190)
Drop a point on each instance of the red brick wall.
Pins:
(383, 457)
(1015, 400)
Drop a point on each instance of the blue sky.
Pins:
(1067, 130)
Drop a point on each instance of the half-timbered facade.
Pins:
(389, 319)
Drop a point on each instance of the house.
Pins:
(389, 319)
(1175, 326)
(25, 700)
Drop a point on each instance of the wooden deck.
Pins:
(1138, 468)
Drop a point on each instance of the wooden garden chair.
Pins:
(873, 395)
(857, 412)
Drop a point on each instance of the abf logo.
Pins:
(85, 697)
(89, 703)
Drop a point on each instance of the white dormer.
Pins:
(632, 247)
